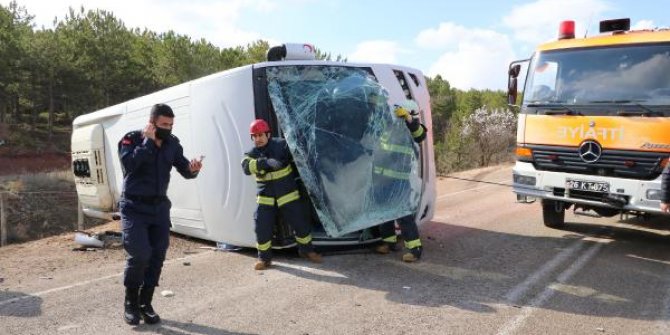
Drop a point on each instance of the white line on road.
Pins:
(472, 189)
(512, 297)
(308, 269)
(540, 299)
(85, 282)
(62, 288)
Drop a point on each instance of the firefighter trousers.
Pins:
(408, 230)
(294, 212)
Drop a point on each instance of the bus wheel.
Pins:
(553, 213)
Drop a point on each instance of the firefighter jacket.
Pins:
(275, 186)
(395, 157)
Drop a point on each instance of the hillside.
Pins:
(25, 150)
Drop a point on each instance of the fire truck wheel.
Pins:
(553, 213)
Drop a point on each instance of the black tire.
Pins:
(553, 213)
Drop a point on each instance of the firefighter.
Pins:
(147, 156)
(271, 163)
(391, 174)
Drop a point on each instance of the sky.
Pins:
(469, 43)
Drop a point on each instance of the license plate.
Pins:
(592, 186)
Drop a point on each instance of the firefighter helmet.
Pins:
(259, 126)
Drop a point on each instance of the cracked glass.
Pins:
(357, 160)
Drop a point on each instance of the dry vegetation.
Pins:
(39, 205)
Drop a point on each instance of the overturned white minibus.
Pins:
(332, 115)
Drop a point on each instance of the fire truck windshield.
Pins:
(615, 76)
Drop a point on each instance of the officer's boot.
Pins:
(412, 255)
(131, 306)
(146, 310)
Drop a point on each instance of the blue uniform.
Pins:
(391, 179)
(144, 206)
(277, 191)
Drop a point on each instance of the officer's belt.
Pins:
(147, 199)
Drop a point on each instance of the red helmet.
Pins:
(259, 126)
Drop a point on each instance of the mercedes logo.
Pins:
(592, 124)
(590, 151)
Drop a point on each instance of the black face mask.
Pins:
(163, 133)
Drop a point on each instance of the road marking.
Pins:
(311, 270)
(473, 189)
(86, 282)
(512, 297)
(648, 259)
(548, 292)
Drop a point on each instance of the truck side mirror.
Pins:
(511, 91)
(514, 70)
(512, 81)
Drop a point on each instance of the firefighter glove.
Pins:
(401, 112)
(274, 164)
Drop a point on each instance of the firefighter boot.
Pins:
(311, 256)
(146, 310)
(262, 265)
(385, 248)
(412, 255)
(131, 306)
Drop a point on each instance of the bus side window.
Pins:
(415, 79)
(403, 84)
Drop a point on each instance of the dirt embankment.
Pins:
(32, 163)
(24, 151)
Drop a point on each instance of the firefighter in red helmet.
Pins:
(271, 163)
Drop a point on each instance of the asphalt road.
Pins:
(489, 267)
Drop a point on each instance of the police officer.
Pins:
(147, 156)
(387, 176)
(270, 162)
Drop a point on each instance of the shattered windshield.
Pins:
(637, 74)
(358, 162)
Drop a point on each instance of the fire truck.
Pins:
(594, 127)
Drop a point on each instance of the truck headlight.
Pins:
(654, 194)
(524, 180)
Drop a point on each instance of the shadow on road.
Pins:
(19, 304)
(170, 327)
(475, 269)
(660, 223)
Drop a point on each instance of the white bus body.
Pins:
(212, 115)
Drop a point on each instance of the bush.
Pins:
(480, 139)
(493, 134)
